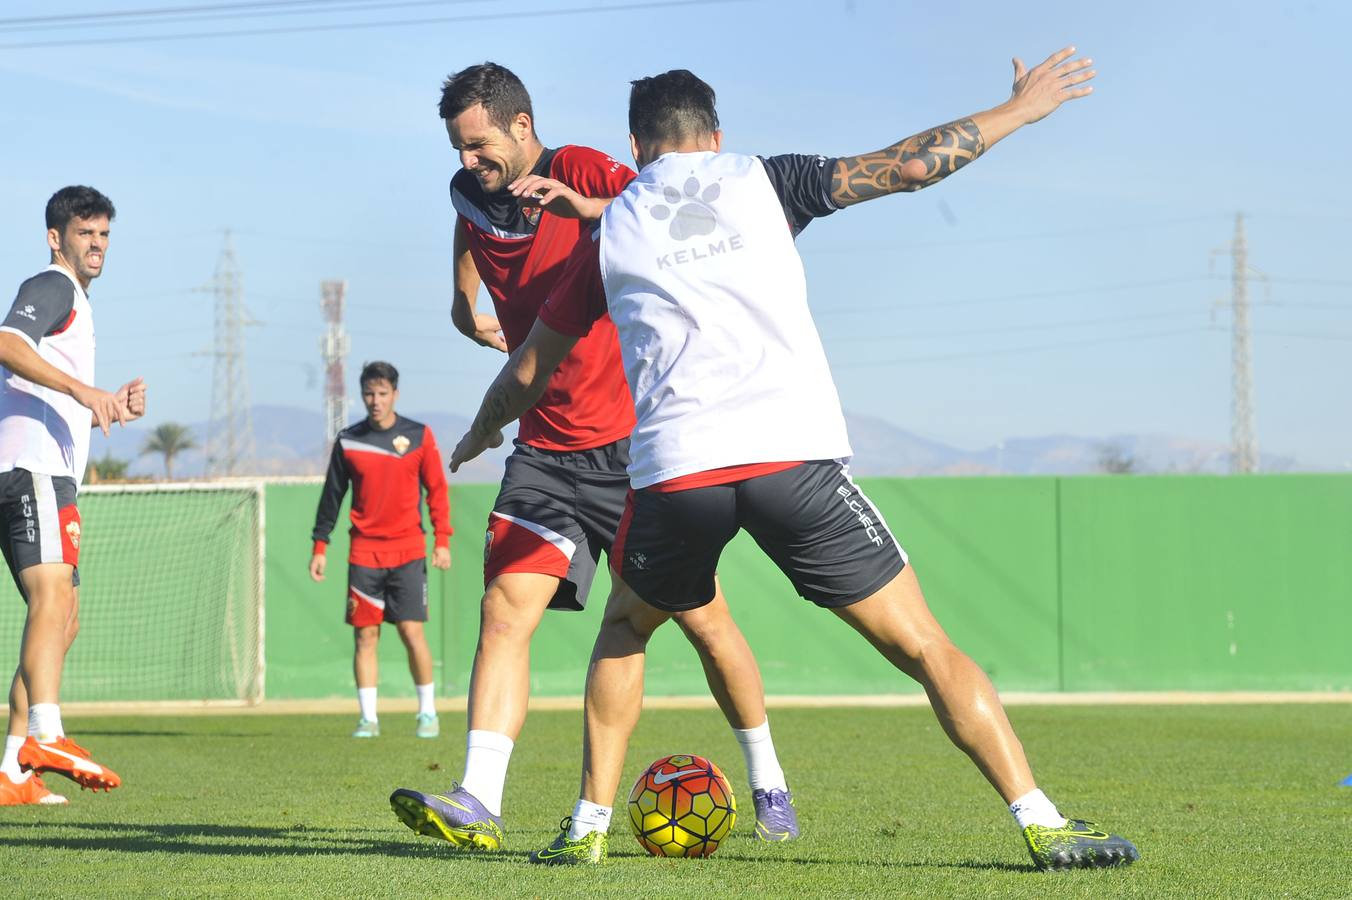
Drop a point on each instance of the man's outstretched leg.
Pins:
(470, 814)
(898, 623)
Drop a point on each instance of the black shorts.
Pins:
(555, 513)
(398, 594)
(39, 522)
(811, 520)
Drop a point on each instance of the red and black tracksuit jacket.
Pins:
(387, 470)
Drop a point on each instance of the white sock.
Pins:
(762, 765)
(486, 756)
(425, 705)
(588, 817)
(10, 764)
(1033, 808)
(44, 722)
(366, 702)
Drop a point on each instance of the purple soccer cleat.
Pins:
(457, 817)
(776, 819)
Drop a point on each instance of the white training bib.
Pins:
(707, 290)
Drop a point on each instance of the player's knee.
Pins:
(630, 627)
(48, 618)
(411, 633)
(504, 620)
(366, 636)
(708, 626)
(72, 629)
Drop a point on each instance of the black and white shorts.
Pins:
(556, 511)
(396, 594)
(811, 520)
(39, 522)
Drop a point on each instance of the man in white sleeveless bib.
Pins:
(739, 426)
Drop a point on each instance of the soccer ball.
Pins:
(682, 806)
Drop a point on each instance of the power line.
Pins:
(1305, 335)
(1010, 351)
(1031, 295)
(162, 10)
(342, 7)
(1008, 329)
(356, 26)
(1011, 238)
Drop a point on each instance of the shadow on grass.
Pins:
(872, 862)
(209, 840)
(306, 840)
(98, 732)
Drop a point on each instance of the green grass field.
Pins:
(1223, 801)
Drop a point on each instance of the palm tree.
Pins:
(107, 469)
(169, 440)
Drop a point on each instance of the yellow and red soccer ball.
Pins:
(682, 806)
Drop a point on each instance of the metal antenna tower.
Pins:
(1243, 440)
(230, 431)
(333, 347)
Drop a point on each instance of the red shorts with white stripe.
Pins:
(555, 513)
(39, 522)
(397, 594)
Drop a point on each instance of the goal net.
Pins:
(171, 596)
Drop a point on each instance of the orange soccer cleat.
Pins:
(30, 790)
(65, 757)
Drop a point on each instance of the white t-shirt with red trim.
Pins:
(43, 430)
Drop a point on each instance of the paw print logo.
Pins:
(693, 214)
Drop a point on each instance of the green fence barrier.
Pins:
(1094, 583)
(1051, 584)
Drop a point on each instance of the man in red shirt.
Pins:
(389, 460)
(563, 491)
(740, 427)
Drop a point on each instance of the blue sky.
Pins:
(1066, 283)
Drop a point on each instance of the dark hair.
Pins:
(375, 371)
(671, 106)
(77, 202)
(496, 87)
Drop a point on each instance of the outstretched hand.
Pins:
(1040, 90)
(471, 445)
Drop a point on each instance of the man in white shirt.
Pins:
(739, 425)
(47, 408)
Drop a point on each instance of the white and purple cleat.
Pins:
(457, 817)
(776, 819)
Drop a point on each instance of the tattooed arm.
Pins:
(515, 390)
(923, 159)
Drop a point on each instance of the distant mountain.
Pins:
(289, 441)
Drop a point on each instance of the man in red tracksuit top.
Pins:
(389, 460)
